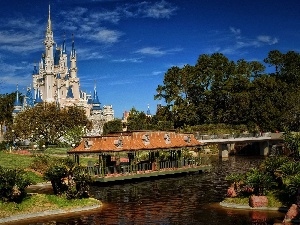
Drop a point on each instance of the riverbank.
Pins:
(244, 206)
(42, 203)
(47, 213)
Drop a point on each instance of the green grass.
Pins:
(9, 160)
(42, 202)
(57, 151)
(273, 201)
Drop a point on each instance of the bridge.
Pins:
(227, 142)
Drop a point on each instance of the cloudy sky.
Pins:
(127, 46)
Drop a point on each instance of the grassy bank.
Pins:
(273, 201)
(42, 202)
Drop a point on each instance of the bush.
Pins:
(12, 184)
(56, 174)
(68, 178)
(41, 163)
(259, 181)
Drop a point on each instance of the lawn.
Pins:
(10, 160)
(42, 202)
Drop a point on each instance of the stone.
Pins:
(292, 212)
(231, 193)
(258, 201)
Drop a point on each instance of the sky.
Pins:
(126, 47)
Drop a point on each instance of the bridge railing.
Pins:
(228, 136)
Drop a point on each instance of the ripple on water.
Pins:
(192, 199)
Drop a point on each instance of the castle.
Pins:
(54, 81)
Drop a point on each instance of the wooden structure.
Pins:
(140, 154)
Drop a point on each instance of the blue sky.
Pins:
(127, 46)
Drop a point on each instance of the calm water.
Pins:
(191, 199)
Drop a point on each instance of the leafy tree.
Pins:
(112, 126)
(48, 123)
(137, 120)
(6, 108)
(74, 135)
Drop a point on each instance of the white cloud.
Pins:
(106, 36)
(151, 51)
(267, 39)
(111, 16)
(132, 60)
(161, 9)
(88, 54)
(235, 31)
(155, 51)
(241, 43)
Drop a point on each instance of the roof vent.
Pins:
(146, 139)
(187, 138)
(88, 144)
(167, 138)
(118, 143)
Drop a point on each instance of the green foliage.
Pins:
(41, 163)
(236, 179)
(292, 143)
(6, 108)
(47, 123)
(259, 181)
(112, 126)
(56, 174)
(12, 184)
(74, 135)
(217, 90)
(69, 178)
(271, 164)
(289, 168)
(292, 184)
(140, 121)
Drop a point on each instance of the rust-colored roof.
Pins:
(135, 141)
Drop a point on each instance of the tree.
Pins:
(6, 108)
(112, 126)
(46, 122)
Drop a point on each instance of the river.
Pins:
(190, 199)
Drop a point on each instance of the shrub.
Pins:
(69, 178)
(41, 163)
(12, 184)
(259, 181)
(56, 174)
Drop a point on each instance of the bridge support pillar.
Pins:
(264, 148)
(223, 150)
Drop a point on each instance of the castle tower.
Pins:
(17, 104)
(74, 80)
(48, 75)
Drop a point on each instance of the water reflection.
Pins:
(189, 199)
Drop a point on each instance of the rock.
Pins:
(231, 192)
(292, 213)
(258, 201)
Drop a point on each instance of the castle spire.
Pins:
(17, 101)
(49, 26)
(73, 64)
